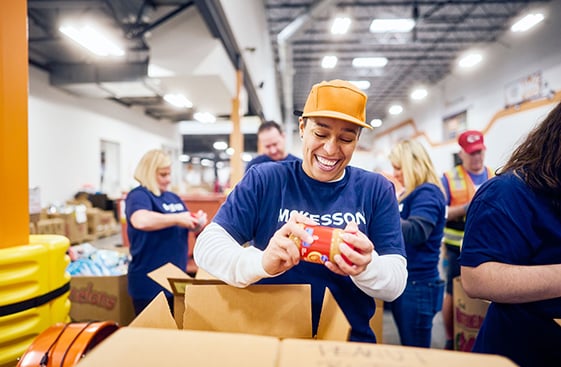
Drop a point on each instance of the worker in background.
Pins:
(422, 209)
(158, 227)
(271, 142)
(460, 185)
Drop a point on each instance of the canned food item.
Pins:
(324, 247)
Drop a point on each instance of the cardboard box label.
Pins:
(100, 298)
(469, 314)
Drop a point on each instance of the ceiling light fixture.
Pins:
(392, 25)
(395, 109)
(369, 62)
(527, 22)
(329, 62)
(361, 84)
(470, 60)
(204, 117)
(376, 123)
(92, 39)
(220, 145)
(418, 94)
(340, 25)
(178, 100)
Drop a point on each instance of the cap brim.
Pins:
(475, 148)
(338, 115)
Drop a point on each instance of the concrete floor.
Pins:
(390, 336)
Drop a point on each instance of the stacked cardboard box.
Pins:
(100, 298)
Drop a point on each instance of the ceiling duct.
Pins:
(108, 80)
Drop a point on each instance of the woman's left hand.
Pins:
(356, 248)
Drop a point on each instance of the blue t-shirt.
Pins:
(263, 158)
(152, 249)
(426, 202)
(263, 200)
(510, 223)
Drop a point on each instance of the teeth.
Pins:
(327, 162)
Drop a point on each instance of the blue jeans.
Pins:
(414, 311)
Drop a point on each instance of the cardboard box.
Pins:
(468, 317)
(171, 277)
(157, 340)
(75, 224)
(283, 311)
(141, 347)
(100, 298)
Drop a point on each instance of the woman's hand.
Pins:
(357, 248)
(202, 220)
(192, 221)
(282, 253)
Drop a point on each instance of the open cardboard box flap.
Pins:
(282, 311)
(170, 348)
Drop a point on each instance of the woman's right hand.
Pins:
(282, 253)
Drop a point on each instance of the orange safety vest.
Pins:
(462, 190)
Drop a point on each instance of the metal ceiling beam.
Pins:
(212, 13)
(64, 4)
(350, 4)
(69, 73)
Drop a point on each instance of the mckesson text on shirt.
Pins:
(327, 219)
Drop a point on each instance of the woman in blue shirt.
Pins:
(511, 254)
(272, 200)
(158, 227)
(422, 209)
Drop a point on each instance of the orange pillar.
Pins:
(14, 191)
(236, 137)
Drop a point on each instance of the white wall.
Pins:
(482, 93)
(65, 133)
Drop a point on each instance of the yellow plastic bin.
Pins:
(34, 289)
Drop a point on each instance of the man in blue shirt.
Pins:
(271, 142)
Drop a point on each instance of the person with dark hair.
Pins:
(158, 227)
(274, 201)
(460, 184)
(271, 142)
(422, 210)
(511, 254)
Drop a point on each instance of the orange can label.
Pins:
(324, 246)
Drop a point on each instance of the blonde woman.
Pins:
(422, 210)
(158, 227)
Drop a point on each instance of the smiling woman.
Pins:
(274, 202)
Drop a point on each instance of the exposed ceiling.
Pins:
(444, 29)
(193, 41)
(190, 40)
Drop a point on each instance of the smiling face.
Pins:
(328, 145)
(271, 142)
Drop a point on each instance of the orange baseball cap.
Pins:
(338, 99)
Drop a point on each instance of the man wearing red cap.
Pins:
(460, 184)
(275, 200)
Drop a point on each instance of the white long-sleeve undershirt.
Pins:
(219, 254)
